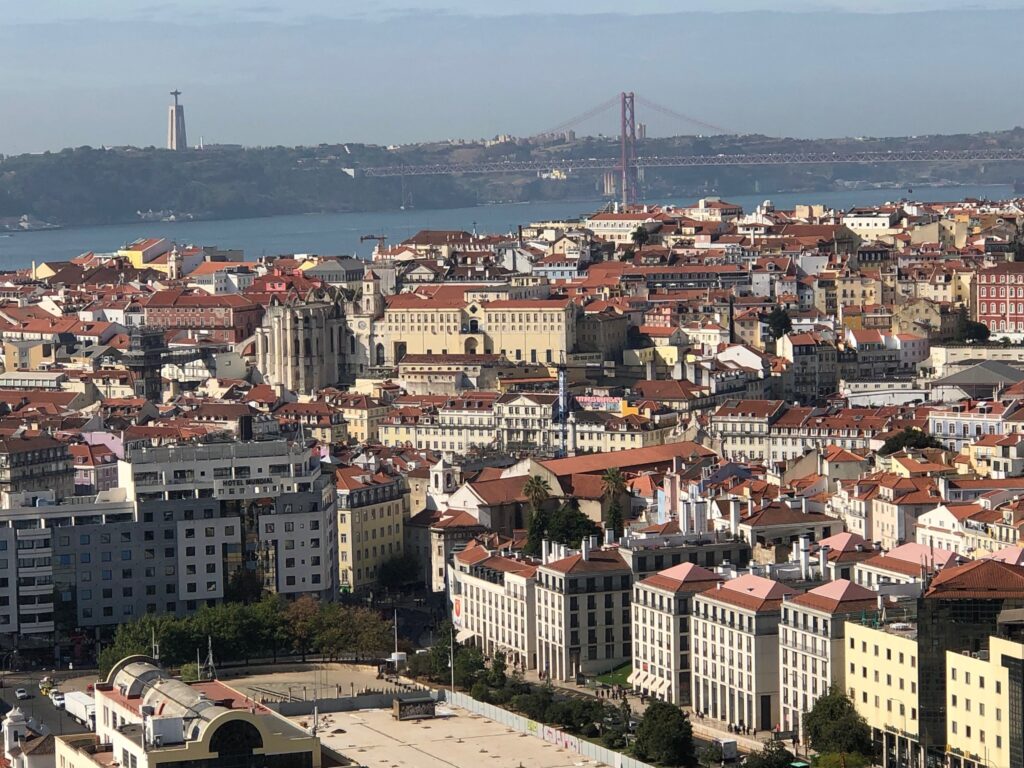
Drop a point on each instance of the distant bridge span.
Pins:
(696, 161)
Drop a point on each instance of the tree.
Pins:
(303, 616)
(909, 438)
(536, 532)
(833, 725)
(772, 755)
(613, 520)
(536, 490)
(613, 487)
(567, 525)
(967, 329)
(469, 665)
(640, 237)
(665, 736)
(779, 322)
(710, 755)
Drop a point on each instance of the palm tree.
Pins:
(613, 483)
(640, 237)
(613, 486)
(536, 490)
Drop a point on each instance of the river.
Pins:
(339, 233)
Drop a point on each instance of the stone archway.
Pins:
(470, 346)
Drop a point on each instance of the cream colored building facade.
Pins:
(494, 604)
(881, 680)
(530, 330)
(372, 510)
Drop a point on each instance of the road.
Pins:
(40, 707)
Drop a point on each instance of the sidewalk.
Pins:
(704, 728)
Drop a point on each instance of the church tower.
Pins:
(373, 299)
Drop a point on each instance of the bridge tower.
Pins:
(627, 162)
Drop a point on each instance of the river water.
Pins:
(339, 233)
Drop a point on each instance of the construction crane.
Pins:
(381, 239)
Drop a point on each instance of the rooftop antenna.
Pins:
(209, 668)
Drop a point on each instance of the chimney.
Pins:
(585, 548)
(805, 557)
(803, 504)
(545, 551)
(734, 516)
(609, 536)
(823, 560)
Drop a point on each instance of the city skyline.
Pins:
(305, 55)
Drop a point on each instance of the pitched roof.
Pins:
(751, 592)
(978, 580)
(599, 560)
(685, 577)
(839, 596)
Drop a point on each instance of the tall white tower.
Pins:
(176, 138)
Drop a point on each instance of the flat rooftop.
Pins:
(454, 739)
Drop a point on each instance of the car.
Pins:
(21, 694)
(57, 698)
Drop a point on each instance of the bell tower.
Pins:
(373, 299)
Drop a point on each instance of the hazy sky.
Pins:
(310, 71)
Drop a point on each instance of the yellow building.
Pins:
(144, 250)
(363, 414)
(881, 679)
(531, 330)
(979, 706)
(372, 509)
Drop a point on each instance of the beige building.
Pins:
(530, 330)
(583, 612)
(812, 645)
(372, 510)
(735, 656)
(494, 604)
(881, 679)
(662, 604)
(456, 426)
(982, 716)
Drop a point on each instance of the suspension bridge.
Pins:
(628, 163)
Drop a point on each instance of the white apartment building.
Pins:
(811, 645)
(583, 613)
(494, 604)
(526, 421)
(661, 630)
(735, 651)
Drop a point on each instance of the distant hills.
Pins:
(86, 186)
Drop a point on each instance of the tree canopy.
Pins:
(665, 736)
(833, 725)
(913, 439)
(967, 329)
(772, 755)
(640, 237)
(268, 628)
(779, 322)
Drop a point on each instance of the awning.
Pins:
(634, 676)
(661, 686)
(644, 681)
(464, 634)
